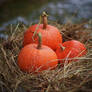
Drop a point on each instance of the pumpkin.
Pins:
(69, 50)
(37, 57)
(50, 34)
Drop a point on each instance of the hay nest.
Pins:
(75, 77)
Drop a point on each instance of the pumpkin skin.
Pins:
(72, 49)
(51, 36)
(31, 59)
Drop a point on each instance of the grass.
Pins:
(74, 77)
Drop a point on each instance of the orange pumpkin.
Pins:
(70, 50)
(36, 58)
(50, 34)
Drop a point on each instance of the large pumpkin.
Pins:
(50, 34)
(36, 58)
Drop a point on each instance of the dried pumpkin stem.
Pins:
(44, 19)
(39, 40)
(62, 47)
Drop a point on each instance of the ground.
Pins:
(74, 77)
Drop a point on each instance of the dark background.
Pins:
(28, 11)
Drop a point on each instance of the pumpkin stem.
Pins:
(39, 40)
(62, 47)
(44, 19)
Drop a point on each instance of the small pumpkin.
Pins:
(70, 50)
(50, 34)
(37, 57)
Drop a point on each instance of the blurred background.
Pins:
(28, 11)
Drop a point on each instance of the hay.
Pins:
(74, 77)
